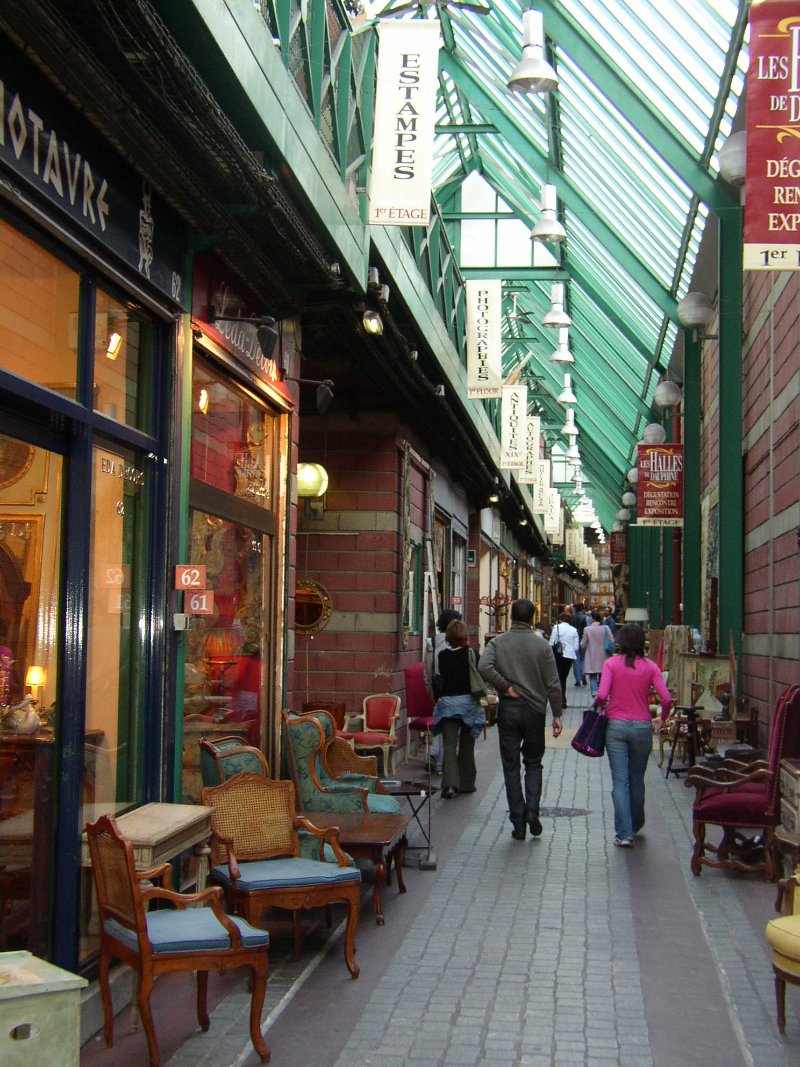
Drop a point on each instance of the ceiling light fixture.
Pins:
(372, 323)
(566, 396)
(668, 394)
(569, 429)
(548, 228)
(114, 345)
(695, 312)
(556, 317)
(533, 74)
(562, 354)
(654, 434)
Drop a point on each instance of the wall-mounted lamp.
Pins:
(566, 396)
(114, 345)
(267, 337)
(493, 498)
(548, 228)
(629, 500)
(523, 522)
(695, 312)
(324, 391)
(732, 158)
(623, 515)
(668, 394)
(633, 475)
(312, 484)
(372, 322)
(562, 353)
(533, 74)
(203, 401)
(654, 434)
(556, 317)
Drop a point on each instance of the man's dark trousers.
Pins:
(520, 731)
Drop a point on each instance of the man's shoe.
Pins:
(518, 833)
(532, 819)
(623, 842)
(449, 792)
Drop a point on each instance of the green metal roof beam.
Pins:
(634, 106)
(568, 192)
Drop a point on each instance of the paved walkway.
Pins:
(555, 952)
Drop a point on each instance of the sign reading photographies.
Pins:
(513, 426)
(772, 205)
(533, 428)
(484, 345)
(399, 187)
(660, 485)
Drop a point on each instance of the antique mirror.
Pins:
(313, 607)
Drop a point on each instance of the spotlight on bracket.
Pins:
(267, 336)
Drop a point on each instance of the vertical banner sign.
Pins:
(617, 551)
(541, 487)
(532, 433)
(513, 424)
(484, 345)
(399, 186)
(772, 204)
(552, 517)
(659, 489)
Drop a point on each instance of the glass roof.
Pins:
(647, 94)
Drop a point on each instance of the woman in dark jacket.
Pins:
(458, 715)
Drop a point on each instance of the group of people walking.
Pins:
(529, 673)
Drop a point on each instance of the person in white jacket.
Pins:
(565, 642)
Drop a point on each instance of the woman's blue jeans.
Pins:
(628, 747)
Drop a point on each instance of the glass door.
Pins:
(30, 567)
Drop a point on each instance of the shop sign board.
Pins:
(659, 489)
(55, 155)
(772, 203)
(513, 427)
(618, 549)
(484, 344)
(399, 186)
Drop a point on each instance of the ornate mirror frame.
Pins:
(313, 607)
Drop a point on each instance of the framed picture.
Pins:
(702, 679)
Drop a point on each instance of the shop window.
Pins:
(30, 559)
(39, 300)
(458, 571)
(123, 361)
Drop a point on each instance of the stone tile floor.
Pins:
(555, 952)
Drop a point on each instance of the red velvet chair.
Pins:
(378, 718)
(419, 706)
(739, 797)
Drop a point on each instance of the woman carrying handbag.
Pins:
(565, 642)
(625, 686)
(458, 715)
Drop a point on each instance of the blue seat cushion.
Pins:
(381, 804)
(286, 872)
(192, 930)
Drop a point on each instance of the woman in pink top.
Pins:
(625, 686)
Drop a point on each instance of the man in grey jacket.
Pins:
(521, 667)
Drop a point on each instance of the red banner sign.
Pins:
(618, 550)
(659, 489)
(772, 204)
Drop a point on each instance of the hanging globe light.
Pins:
(633, 475)
(667, 395)
(654, 434)
(624, 515)
(629, 500)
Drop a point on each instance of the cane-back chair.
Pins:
(255, 857)
(185, 938)
(739, 797)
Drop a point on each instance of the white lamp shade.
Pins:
(556, 317)
(562, 354)
(569, 429)
(667, 395)
(640, 615)
(633, 475)
(624, 515)
(695, 310)
(548, 228)
(732, 158)
(629, 500)
(533, 74)
(312, 480)
(573, 452)
(617, 527)
(654, 434)
(566, 396)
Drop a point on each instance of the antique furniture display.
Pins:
(181, 939)
(419, 709)
(307, 738)
(703, 681)
(313, 607)
(255, 851)
(336, 709)
(225, 756)
(739, 797)
(195, 727)
(378, 838)
(378, 718)
(783, 936)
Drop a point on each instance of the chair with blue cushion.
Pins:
(255, 857)
(198, 939)
(308, 738)
(223, 757)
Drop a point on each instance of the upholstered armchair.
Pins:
(151, 943)
(783, 936)
(378, 719)
(222, 757)
(307, 740)
(255, 857)
(739, 797)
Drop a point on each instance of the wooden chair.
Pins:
(309, 738)
(783, 936)
(152, 943)
(255, 857)
(223, 757)
(419, 707)
(737, 796)
(378, 718)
